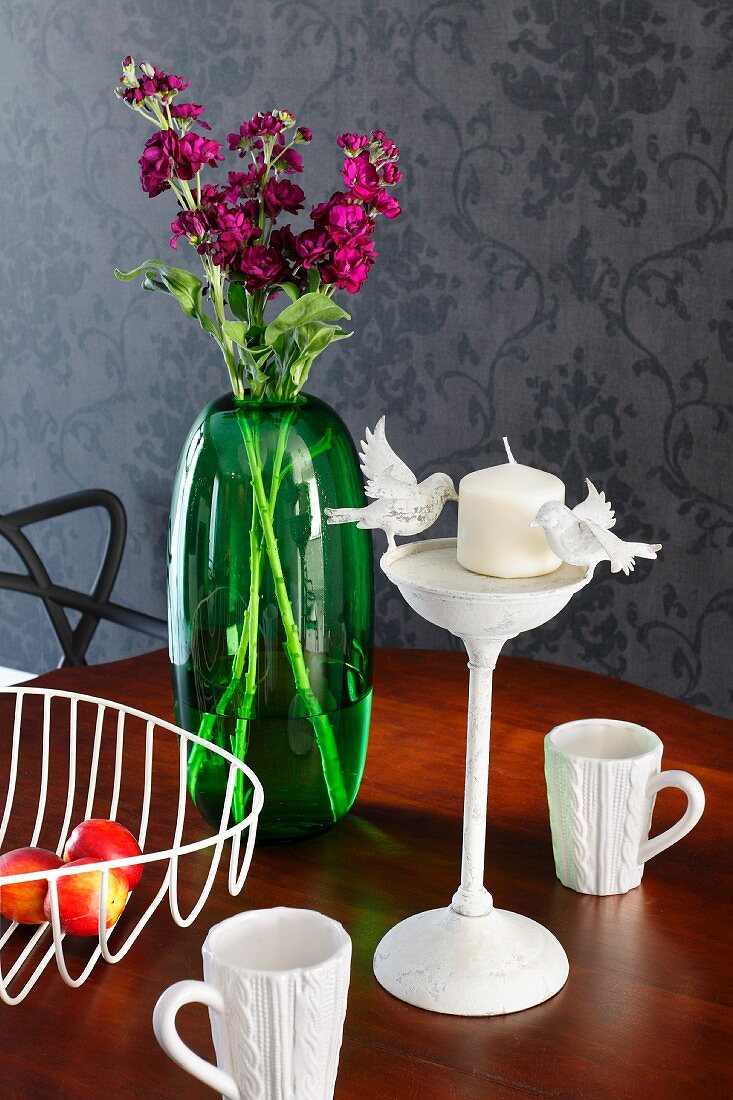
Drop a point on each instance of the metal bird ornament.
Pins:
(401, 505)
(582, 536)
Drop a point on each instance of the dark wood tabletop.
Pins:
(647, 1010)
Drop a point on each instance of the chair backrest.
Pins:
(93, 606)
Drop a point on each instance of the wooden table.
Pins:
(646, 1011)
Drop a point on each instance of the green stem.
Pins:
(322, 728)
(246, 649)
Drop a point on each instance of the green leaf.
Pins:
(237, 298)
(307, 310)
(314, 279)
(317, 338)
(185, 287)
(292, 290)
(236, 331)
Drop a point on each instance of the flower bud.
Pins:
(285, 117)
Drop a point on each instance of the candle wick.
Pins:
(507, 448)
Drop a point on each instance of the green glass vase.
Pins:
(271, 611)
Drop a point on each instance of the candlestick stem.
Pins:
(472, 899)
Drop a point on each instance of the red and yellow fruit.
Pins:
(100, 839)
(23, 901)
(79, 897)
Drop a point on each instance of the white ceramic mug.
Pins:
(276, 983)
(602, 780)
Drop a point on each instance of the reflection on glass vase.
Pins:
(271, 610)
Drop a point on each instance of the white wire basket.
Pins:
(86, 737)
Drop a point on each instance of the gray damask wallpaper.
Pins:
(562, 274)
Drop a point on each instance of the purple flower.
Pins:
(287, 160)
(303, 134)
(284, 241)
(391, 173)
(349, 267)
(189, 111)
(347, 220)
(312, 246)
(352, 143)
(234, 230)
(262, 266)
(361, 177)
(242, 183)
(260, 125)
(160, 157)
(282, 195)
(154, 81)
(191, 224)
(211, 195)
(387, 204)
(194, 152)
(320, 213)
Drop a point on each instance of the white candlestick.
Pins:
(495, 507)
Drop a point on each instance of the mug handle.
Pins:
(164, 1026)
(695, 806)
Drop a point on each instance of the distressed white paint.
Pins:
(470, 966)
(400, 505)
(582, 535)
(471, 959)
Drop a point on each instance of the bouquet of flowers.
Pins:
(248, 253)
(251, 256)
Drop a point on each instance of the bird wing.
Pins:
(620, 553)
(385, 472)
(595, 508)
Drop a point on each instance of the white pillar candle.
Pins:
(495, 507)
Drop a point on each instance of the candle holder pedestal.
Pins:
(471, 959)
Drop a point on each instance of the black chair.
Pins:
(95, 606)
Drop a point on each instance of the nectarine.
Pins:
(23, 901)
(79, 896)
(99, 838)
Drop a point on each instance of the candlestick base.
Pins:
(472, 959)
(471, 966)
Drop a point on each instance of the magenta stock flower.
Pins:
(312, 246)
(158, 162)
(147, 82)
(288, 160)
(320, 212)
(391, 173)
(352, 143)
(165, 154)
(347, 220)
(349, 267)
(284, 241)
(387, 205)
(243, 183)
(233, 230)
(194, 152)
(189, 112)
(262, 266)
(389, 149)
(263, 124)
(303, 134)
(282, 195)
(361, 177)
(193, 225)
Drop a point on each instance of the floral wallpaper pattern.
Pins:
(562, 275)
